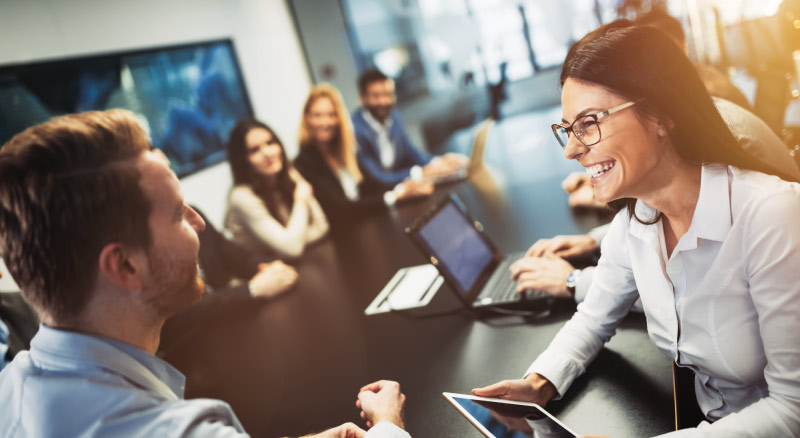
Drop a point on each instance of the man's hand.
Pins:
(409, 189)
(346, 430)
(444, 165)
(563, 246)
(533, 388)
(547, 274)
(381, 400)
(455, 161)
(272, 279)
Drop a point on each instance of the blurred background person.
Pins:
(385, 152)
(271, 208)
(328, 160)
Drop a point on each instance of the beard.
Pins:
(173, 283)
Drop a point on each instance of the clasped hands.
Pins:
(378, 401)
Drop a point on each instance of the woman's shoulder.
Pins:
(752, 185)
(759, 194)
(242, 195)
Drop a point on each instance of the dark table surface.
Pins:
(294, 365)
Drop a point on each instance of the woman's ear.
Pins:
(665, 127)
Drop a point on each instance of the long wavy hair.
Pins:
(641, 63)
(343, 149)
(244, 174)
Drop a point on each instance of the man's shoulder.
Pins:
(73, 403)
(360, 124)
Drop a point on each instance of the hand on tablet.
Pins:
(533, 388)
(381, 400)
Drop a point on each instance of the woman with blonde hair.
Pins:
(327, 159)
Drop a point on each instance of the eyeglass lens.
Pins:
(586, 129)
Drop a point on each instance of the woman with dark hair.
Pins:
(706, 234)
(271, 208)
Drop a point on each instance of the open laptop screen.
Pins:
(458, 246)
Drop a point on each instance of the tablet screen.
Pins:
(507, 420)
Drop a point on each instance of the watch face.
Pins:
(572, 278)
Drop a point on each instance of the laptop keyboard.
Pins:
(501, 288)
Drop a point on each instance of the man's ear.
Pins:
(121, 267)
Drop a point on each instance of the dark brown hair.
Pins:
(244, 174)
(642, 63)
(368, 77)
(68, 187)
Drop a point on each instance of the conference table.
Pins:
(293, 365)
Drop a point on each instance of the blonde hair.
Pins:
(344, 147)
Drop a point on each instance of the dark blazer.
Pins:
(222, 260)
(406, 154)
(329, 192)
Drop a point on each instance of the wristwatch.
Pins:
(572, 281)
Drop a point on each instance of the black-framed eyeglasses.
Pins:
(586, 128)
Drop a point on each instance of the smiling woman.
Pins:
(706, 237)
(271, 208)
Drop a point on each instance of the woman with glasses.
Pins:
(706, 236)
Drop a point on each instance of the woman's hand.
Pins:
(534, 388)
(547, 274)
(563, 246)
(303, 191)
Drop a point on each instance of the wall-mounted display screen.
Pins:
(188, 97)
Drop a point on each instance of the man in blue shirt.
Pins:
(94, 229)
(385, 152)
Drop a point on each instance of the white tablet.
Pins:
(497, 418)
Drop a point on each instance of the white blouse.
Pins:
(726, 303)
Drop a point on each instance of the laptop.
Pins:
(476, 156)
(468, 260)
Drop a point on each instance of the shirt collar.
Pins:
(374, 123)
(60, 350)
(712, 214)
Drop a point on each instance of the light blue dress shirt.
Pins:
(3, 344)
(78, 385)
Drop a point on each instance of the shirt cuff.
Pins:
(585, 280)
(416, 173)
(387, 429)
(390, 198)
(559, 370)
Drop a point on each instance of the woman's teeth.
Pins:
(599, 169)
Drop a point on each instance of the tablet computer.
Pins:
(497, 418)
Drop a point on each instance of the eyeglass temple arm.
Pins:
(615, 109)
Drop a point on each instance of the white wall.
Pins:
(262, 31)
